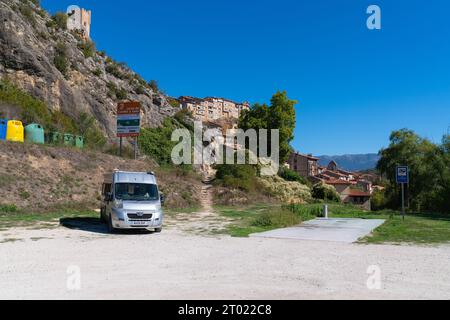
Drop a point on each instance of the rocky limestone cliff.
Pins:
(92, 83)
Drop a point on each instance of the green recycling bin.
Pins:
(79, 142)
(69, 140)
(54, 138)
(34, 133)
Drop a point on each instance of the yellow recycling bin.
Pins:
(15, 131)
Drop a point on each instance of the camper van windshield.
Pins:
(136, 192)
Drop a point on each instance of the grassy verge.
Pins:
(257, 218)
(416, 229)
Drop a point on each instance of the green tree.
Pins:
(422, 157)
(378, 200)
(279, 115)
(157, 142)
(282, 117)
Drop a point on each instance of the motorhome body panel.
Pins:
(126, 212)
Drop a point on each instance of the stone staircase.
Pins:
(206, 198)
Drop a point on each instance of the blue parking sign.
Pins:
(402, 174)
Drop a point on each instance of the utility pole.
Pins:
(403, 201)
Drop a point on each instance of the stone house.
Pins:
(351, 194)
(350, 186)
(305, 165)
(211, 108)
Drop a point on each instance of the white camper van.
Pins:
(131, 200)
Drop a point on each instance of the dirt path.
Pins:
(206, 221)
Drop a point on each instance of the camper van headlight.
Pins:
(119, 214)
(118, 204)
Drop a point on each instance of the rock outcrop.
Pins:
(91, 82)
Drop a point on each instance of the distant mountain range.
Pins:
(352, 162)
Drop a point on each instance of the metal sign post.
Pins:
(402, 177)
(128, 122)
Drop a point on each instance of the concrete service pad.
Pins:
(336, 230)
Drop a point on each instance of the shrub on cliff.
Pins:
(58, 21)
(61, 60)
(88, 48)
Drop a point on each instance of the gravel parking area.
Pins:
(39, 264)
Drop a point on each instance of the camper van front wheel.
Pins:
(111, 229)
(158, 230)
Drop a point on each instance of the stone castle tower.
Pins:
(79, 19)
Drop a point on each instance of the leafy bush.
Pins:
(61, 60)
(379, 200)
(115, 92)
(88, 48)
(97, 72)
(174, 103)
(157, 143)
(429, 165)
(26, 10)
(59, 21)
(139, 89)
(24, 194)
(153, 84)
(88, 127)
(33, 110)
(62, 123)
(113, 69)
(290, 175)
(121, 94)
(280, 218)
(241, 177)
(8, 208)
(286, 191)
(325, 192)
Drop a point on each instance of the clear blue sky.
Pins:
(354, 86)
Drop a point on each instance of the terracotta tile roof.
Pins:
(358, 193)
(339, 181)
(345, 172)
(308, 156)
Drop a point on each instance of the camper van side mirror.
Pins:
(109, 197)
(162, 199)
